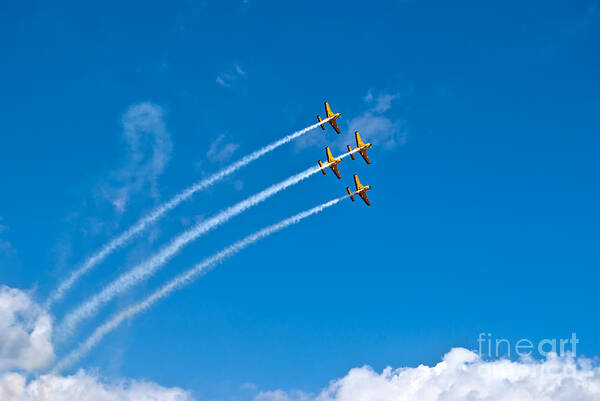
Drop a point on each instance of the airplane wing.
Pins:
(328, 109)
(357, 182)
(334, 125)
(364, 155)
(363, 195)
(335, 171)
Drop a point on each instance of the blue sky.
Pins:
(484, 123)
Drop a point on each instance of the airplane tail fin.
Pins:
(350, 150)
(322, 169)
(328, 110)
(350, 193)
(322, 125)
(329, 155)
(359, 142)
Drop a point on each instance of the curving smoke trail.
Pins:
(181, 281)
(148, 267)
(157, 213)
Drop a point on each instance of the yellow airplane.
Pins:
(361, 191)
(361, 147)
(334, 162)
(332, 121)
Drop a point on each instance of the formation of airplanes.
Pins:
(332, 162)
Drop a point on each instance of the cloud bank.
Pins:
(463, 376)
(25, 331)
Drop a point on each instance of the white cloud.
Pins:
(84, 387)
(221, 152)
(383, 101)
(374, 126)
(148, 152)
(227, 78)
(11, 386)
(25, 332)
(463, 376)
(378, 129)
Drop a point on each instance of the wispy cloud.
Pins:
(227, 78)
(220, 151)
(6, 247)
(148, 150)
(382, 102)
(375, 125)
(239, 70)
(222, 82)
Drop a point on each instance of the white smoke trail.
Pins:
(121, 239)
(181, 281)
(148, 267)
